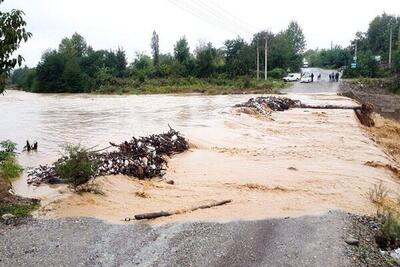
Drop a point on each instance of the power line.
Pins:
(210, 15)
(202, 15)
(241, 22)
(217, 11)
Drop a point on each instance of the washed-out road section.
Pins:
(305, 241)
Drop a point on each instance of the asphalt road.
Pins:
(304, 241)
(322, 86)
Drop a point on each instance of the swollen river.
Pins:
(290, 163)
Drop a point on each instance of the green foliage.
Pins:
(18, 210)
(77, 166)
(24, 78)
(12, 33)
(155, 47)
(390, 220)
(9, 167)
(77, 67)
(7, 149)
(329, 58)
(277, 73)
(182, 51)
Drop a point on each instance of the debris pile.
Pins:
(265, 104)
(143, 157)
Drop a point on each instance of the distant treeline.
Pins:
(77, 67)
(372, 51)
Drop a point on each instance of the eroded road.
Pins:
(304, 241)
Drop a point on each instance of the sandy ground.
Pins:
(296, 162)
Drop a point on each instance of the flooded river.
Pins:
(295, 162)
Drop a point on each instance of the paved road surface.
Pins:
(322, 86)
(305, 241)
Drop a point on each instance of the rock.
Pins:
(395, 254)
(352, 241)
(7, 216)
(170, 182)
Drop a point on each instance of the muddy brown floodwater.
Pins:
(298, 162)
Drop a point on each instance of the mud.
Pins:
(300, 162)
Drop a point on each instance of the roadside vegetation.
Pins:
(75, 67)
(388, 215)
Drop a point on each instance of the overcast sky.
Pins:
(108, 24)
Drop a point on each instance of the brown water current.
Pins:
(296, 162)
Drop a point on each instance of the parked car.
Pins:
(306, 78)
(292, 77)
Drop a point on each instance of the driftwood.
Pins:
(327, 107)
(143, 157)
(154, 215)
(28, 147)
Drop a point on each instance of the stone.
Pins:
(7, 216)
(352, 241)
(395, 254)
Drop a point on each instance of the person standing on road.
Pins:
(319, 76)
(330, 77)
(312, 77)
(337, 76)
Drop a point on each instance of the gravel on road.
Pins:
(303, 241)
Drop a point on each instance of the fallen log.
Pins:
(154, 215)
(327, 107)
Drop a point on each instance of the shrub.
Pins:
(390, 220)
(77, 166)
(378, 194)
(277, 73)
(9, 168)
(18, 210)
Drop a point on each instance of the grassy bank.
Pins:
(10, 169)
(191, 85)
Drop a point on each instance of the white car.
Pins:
(306, 78)
(292, 77)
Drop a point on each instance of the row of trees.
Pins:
(77, 67)
(372, 51)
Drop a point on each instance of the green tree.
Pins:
(182, 51)
(121, 62)
(206, 59)
(155, 47)
(296, 37)
(50, 71)
(12, 33)
(239, 57)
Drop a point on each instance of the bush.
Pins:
(378, 194)
(18, 210)
(277, 73)
(9, 167)
(77, 166)
(390, 220)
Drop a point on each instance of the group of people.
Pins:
(334, 77)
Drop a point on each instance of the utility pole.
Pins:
(390, 46)
(355, 53)
(258, 63)
(266, 58)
